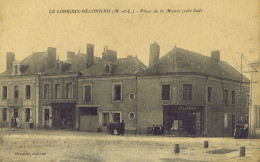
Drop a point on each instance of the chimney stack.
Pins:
(10, 57)
(154, 53)
(70, 55)
(109, 55)
(51, 53)
(90, 55)
(215, 55)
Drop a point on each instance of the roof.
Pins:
(188, 62)
(122, 66)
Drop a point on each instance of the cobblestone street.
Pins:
(61, 145)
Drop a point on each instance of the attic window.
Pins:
(107, 69)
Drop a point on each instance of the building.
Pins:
(190, 94)
(254, 123)
(107, 90)
(185, 92)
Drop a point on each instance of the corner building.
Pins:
(191, 94)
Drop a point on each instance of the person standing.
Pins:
(245, 129)
(18, 122)
(122, 127)
(12, 122)
(31, 122)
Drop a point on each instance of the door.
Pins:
(15, 115)
(88, 123)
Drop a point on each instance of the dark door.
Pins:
(15, 115)
(233, 123)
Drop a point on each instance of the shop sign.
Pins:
(188, 108)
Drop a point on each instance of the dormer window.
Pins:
(15, 69)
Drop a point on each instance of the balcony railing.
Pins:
(14, 102)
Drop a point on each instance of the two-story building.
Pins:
(107, 90)
(190, 94)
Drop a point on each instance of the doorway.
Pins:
(15, 115)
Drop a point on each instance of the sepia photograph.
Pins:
(115, 81)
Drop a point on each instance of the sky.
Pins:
(229, 26)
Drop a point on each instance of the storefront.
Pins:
(63, 115)
(183, 120)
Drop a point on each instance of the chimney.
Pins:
(109, 55)
(10, 57)
(215, 55)
(90, 55)
(70, 55)
(154, 53)
(51, 60)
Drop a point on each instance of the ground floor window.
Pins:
(4, 114)
(116, 117)
(105, 119)
(27, 114)
(46, 114)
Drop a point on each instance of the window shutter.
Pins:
(100, 119)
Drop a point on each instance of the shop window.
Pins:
(209, 94)
(4, 114)
(92, 111)
(116, 117)
(27, 114)
(233, 97)
(88, 93)
(46, 91)
(4, 92)
(117, 92)
(28, 91)
(69, 90)
(166, 92)
(16, 94)
(225, 97)
(57, 91)
(187, 92)
(105, 119)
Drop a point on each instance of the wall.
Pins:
(102, 96)
(150, 105)
(22, 103)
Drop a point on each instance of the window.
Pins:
(16, 69)
(4, 92)
(233, 97)
(187, 92)
(4, 114)
(28, 91)
(209, 94)
(116, 117)
(225, 97)
(131, 115)
(166, 92)
(16, 95)
(69, 90)
(105, 119)
(27, 114)
(46, 91)
(88, 93)
(117, 92)
(57, 93)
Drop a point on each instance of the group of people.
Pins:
(241, 130)
(157, 130)
(116, 128)
(16, 123)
